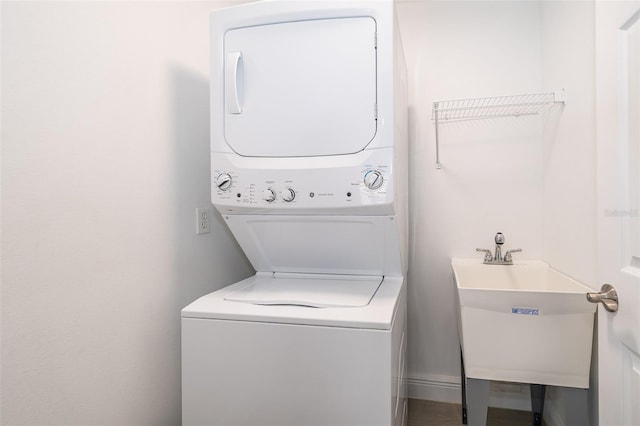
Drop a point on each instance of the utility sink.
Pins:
(524, 322)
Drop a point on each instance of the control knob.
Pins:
(288, 195)
(373, 179)
(269, 195)
(223, 181)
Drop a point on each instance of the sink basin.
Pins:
(524, 322)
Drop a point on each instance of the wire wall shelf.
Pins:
(500, 106)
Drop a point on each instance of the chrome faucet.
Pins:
(499, 239)
(497, 258)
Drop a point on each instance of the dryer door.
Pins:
(305, 88)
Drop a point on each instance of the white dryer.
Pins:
(309, 171)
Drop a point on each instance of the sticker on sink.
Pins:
(525, 311)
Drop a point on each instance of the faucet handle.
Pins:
(488, 257)
(507, 255)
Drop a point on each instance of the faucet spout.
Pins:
(497, 258)
(499, 239)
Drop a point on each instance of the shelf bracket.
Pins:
(435, 119)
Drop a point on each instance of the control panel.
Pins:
(352, 187)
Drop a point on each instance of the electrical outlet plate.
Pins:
(202, 220)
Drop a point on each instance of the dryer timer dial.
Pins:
(224, 181)
(288, 195)
(373, 179)
(269, 195)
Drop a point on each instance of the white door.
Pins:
(304, 88)
(618, 149)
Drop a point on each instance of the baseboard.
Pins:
(435, 388)
(513, 396)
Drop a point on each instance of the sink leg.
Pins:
(576, 405)
(477, 401)
(537, 403)
(463, 381)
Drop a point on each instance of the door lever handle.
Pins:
(607, 296)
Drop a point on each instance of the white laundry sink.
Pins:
(524, 322)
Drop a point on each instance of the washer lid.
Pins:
(323, 291)
(378, 314)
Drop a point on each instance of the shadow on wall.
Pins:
(208, 261)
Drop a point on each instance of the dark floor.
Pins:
(429, 413)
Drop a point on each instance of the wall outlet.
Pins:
(203, 216)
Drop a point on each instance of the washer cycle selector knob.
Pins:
(373, 179)
(288, 195)
(223, 181)
(269, 195)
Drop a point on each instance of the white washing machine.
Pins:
(309, 171)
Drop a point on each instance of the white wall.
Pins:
(104, 160)
(492, 177)
(568, 47)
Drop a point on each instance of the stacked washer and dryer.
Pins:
(309, 171)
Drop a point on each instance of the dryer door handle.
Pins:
(233, 82)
